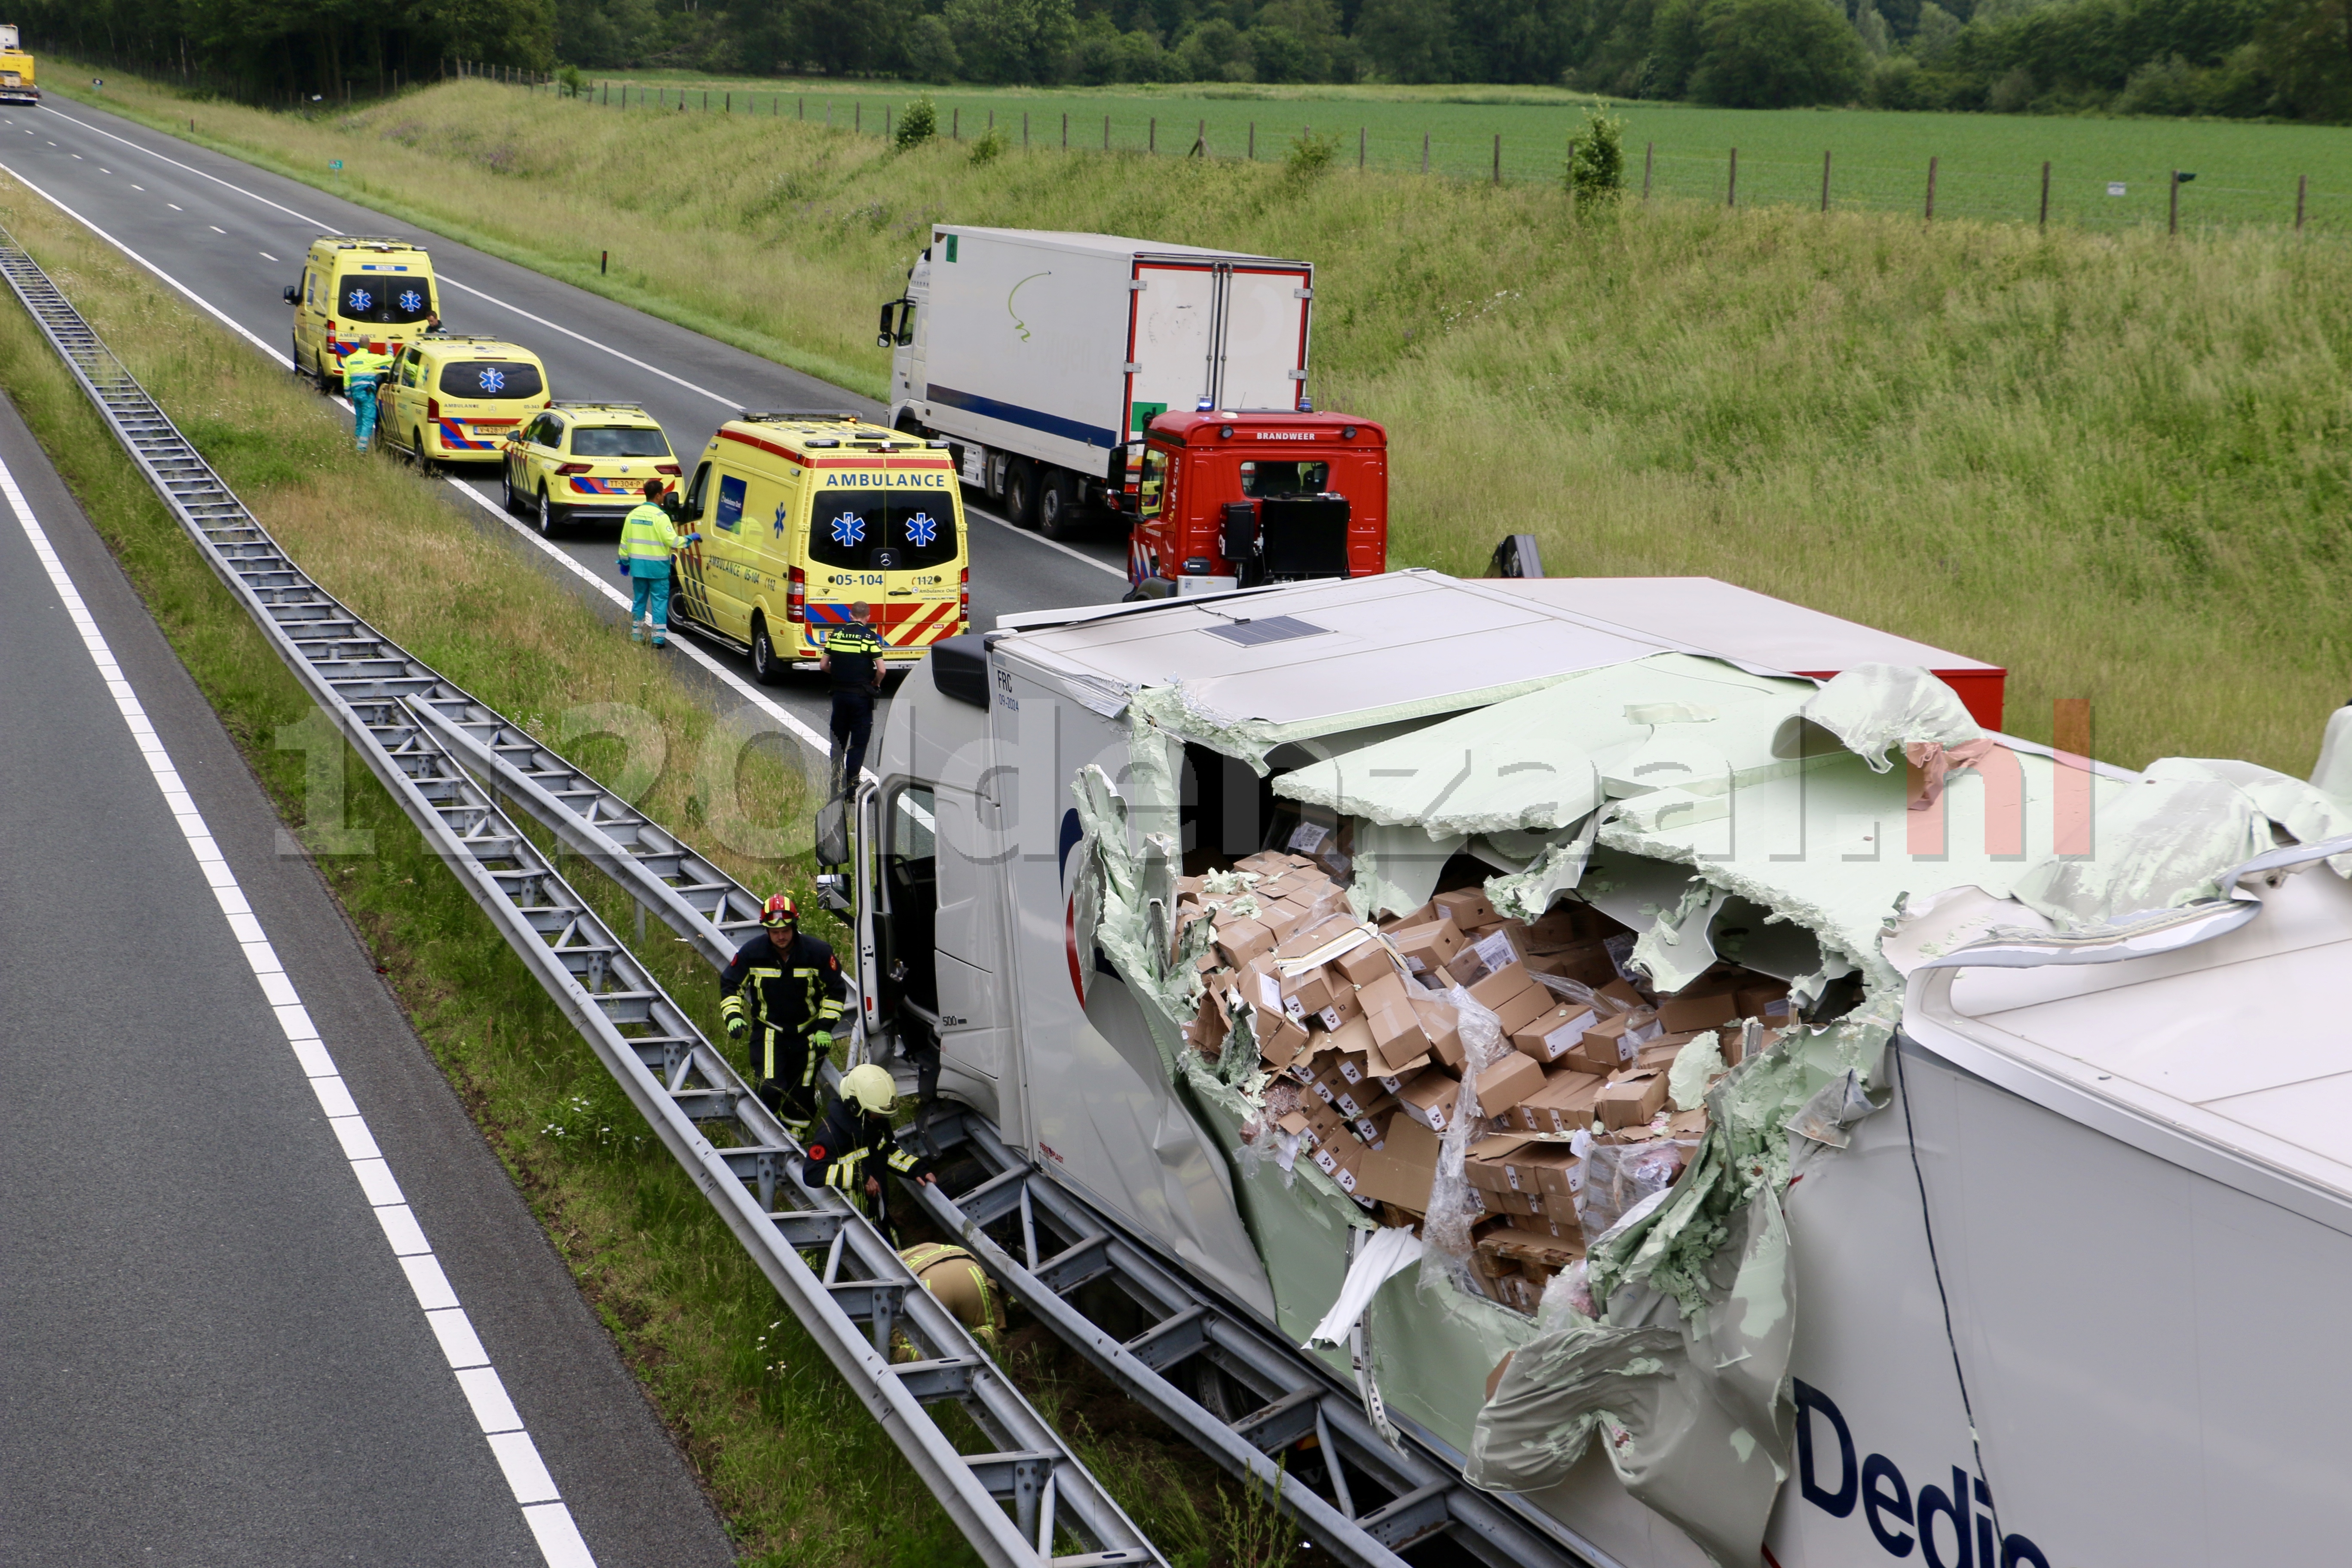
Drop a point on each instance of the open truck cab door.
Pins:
(1239, 499)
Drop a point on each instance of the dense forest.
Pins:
(2285, 58)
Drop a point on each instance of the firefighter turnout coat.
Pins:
(786, 995)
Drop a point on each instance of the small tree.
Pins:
(1311, 155)
(918, 124)
(574, 85)
(1596, 161)
(991, 144)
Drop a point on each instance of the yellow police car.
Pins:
(584, 462)
(459, 400)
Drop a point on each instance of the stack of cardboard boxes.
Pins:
(1357, 1027)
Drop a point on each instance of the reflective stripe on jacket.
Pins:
(647, 535)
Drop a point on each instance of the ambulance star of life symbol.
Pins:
(783, 508)
(362, 298)
(411, 299)
(849, 529)
(922, 529)
(494, 381)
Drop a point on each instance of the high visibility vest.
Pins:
(363, 365)
(647, 535)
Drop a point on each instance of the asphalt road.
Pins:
(233, 236)
(210, 1353)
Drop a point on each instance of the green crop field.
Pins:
(1989, 165)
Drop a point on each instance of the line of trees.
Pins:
(2287, 59)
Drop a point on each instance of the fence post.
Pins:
(955, 125)
(1066, 131)
(800, 106)
(886, 123)
(2044, 222)
(1825, 182)
(1253, 142)
(2302, 185)
(1024, 128)
(2172, 224)
(856, 116)
(1425, 151)
(1361, 133)
(1106, 132)
(1201, 139)
(1931, 189)
(1151, 141)
(706, 101)
(1498, 157)
(1649, 158)
(1731, 189)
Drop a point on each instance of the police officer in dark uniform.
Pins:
(852, 656)
(782, 993)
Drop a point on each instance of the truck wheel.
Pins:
(1021, 492)
(506, 487)
(416, 450)
(549, 524)
(766, 668)
(1057, 504)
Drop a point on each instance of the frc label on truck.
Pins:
(1941, 1526)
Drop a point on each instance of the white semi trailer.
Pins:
(1044, 356)
(2026, 1250)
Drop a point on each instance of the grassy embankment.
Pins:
(801, 1473)
(2114, 464)
(1989, 165)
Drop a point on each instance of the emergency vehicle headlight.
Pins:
(1225, 432)
(1347, 433)
(1197, 566)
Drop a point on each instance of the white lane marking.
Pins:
(75, 156)
(194, 298)
(216, 228)
(265, 256)
(518, 1458)
(175, 207)
(106, 171)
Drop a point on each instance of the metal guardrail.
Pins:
(403, 716)
(1256, 1403)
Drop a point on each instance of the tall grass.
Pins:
(2114, 464)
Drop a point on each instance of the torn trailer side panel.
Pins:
(1660, 1430)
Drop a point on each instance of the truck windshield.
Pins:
(618, 441)
(497, 380)
(859, 530)
(386, 300)
(1260, 478)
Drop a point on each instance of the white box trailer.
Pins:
(2024, 1251)
(1044, 356)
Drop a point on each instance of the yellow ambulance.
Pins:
(803, 515)
(358, 291)
(460, 400)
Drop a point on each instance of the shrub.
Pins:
(571, 83)
(918, 124)
(990, 145)
(1596, 161)
(1310, 155)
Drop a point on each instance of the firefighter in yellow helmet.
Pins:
(849, 1151)
(782, 996)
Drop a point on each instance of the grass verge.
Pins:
(800, 1474)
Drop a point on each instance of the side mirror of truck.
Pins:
(1238, 541)
(293, 295)
(1517, 556)
(886, 334)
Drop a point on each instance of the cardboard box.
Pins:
(1404, 1167)
(1430, 1100)
(1442, 1025)
(1535, 1166)
(1484, 1165)
(1279, 1040)
(1395, 1082)
(1352, 1066)
(1466, 967)
(1508, 1082)
(1307, 938)
(1685, 1013)
(1525, 1009)
(1752, 1000)
(1510, 1202)
(1586, 962)
(1562, 1105)
(1241, 941)
(1602, 1048)
(1353, 1038)
(1500, 985)
(1343, 1010)
(1525, 1244)
(1427, 948)
(1620, 991)
(1385, 989)
(1398, 1036)
(1554, 1034)
(1467, 907)
(1364, 962)
(1632, 1100)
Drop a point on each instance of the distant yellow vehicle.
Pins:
(15, 69)
(584, 462)
(803, 515)
(460, 400)
(358, 291)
